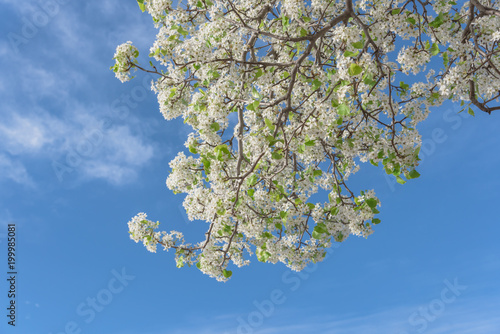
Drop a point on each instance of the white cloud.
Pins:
(119, 157)
(46, 114)
(78, 140)
(30, 133)
(476, 315)
(14, 170)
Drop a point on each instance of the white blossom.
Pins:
(287, 99)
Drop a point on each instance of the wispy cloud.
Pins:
(46, 114)
(14, 170)
(465, 317)
(78, 141)
(29, 133)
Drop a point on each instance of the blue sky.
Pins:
(432, 265)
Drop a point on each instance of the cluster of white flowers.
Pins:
(142, 229)
(125, 58)
(315, 87)
(412, 59)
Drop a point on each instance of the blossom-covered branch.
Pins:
(318, 87)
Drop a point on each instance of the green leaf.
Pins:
(351, 54)
(316, 235)
(252, 180)
(227, 273)
(310, 206)
(471, 112)
(310, 142)
(263, 255)
(411, 20)
(267, 235)
(446, 59)
(253, 106)
(400, 180)
(317, 172)
(220, 151)
(283, 215)
(215, 74)
(180, 262)
(316, 84)
(182, 31)
(396, 11)
(371, 202)
(271, 140)
(269, 124)
(285, 22)
(215, 126)
(413, 174)
(222, 148)
(206, 165)
(334, 210)
(358, 45)
(343, 110)
(320, 228)
(355, 69)
(276, 156)
(172, 92)
(404, 86)
(256, 95)
(258, 74)
(192, 149)
(141, 5)
(250, 192)
(376, 221)
(434, 49)
(438, 21)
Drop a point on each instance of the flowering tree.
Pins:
(317, 87)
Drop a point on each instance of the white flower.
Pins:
(277, 116)
(125, 57)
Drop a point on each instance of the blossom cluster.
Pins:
(286, 98)
(125, 60)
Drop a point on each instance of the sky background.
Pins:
(82, 153)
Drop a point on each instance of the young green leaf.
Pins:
(227, 273)
(343, 110)
(355, 69)
(351, 54)
(141, 5)
(269, 124)
(434, 49)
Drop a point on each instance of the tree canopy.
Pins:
(317, 87)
